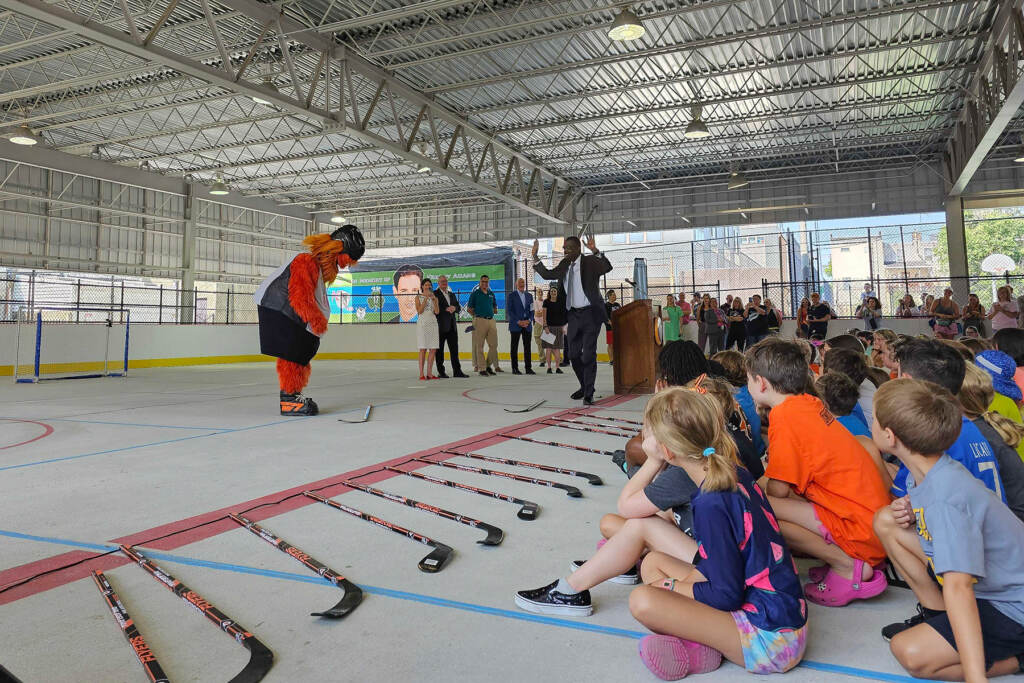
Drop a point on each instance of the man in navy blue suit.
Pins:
(519, 311)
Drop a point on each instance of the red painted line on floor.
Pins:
(330, 486)
(47, 430)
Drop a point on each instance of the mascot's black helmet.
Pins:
(349, 235)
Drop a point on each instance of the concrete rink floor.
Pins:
(87, 463)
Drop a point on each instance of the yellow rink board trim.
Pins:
(94, 366)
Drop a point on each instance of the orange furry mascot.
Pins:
(293, 310)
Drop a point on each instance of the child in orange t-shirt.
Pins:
(822, 484)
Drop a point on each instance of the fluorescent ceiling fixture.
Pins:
(631, 223)
(23, 135)
(744, 215)
(487, 232)
(1019, 158)
(268, 84)
(533, 230)
(696, 129)
(626, 26)
(737, 180)
(685, 219)
(337, 217)
(219, 188)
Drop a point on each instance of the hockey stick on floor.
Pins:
(584, 428)
(631, 430)
(570, 491)
(610, 419)
(432, 563)
(593, 479)
(131, 632)
(528, 511)
(526, 410)
(260, 658)
(366, 416)
(557, 444)
(494, 534)
(352, 594)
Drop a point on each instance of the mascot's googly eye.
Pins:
(349, 235)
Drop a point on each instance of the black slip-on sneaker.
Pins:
(547, 600)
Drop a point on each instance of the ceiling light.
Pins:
(1019, 158)
(744, 214)
(268, 84)
(626, 26)
(421, 167)
(219, 188)
(685, 219)
(696, 129)
(737, 180)
(631, 223)
(337, 217)
(23, 135)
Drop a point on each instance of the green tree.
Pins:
(988, 232)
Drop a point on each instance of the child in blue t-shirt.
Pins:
(743, 599)
(965, 558)
(840, 395)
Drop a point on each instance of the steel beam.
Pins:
(993, 98)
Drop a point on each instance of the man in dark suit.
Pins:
(446, 328)
(519, 311)
(579, 282)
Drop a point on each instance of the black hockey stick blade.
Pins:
(366, 416)
(526, 410)
(528, 512)
(436, 560)
(353, 596)
(494, 535)
(260, 661)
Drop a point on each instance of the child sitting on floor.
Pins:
(1007, 395)
(840, 395)
(822, 484)
(967, 561)
(736, 374)
(743, 600)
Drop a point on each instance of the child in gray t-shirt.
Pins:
(968, 571)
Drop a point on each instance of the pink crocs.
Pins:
(671, 658)
(833, 590)
(817, 574)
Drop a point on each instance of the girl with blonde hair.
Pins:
(745, 601)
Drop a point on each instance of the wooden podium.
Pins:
(635, 349)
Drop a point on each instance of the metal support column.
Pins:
(187, 308)
(956, 242)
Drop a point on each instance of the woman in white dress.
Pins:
(426, 327)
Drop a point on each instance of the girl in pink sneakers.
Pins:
(743, 599)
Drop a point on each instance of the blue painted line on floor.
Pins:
(135, 424)
(451, 604)
(141, 445)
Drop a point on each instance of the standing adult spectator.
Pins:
(802, 328)
(538, 322)
(773, 317)
(426, 327)
(481, 306)
(447, 328)
(671, 315)
(973, 315)
(870, 310)
(1003, 313)
(946, 312)
(610, 306)
(579, 277)
(519, 311)
(757, 321)
(907, 307)
(737, 332)
(925, 309)
(554, 324)
(710, 330)
(818, 315)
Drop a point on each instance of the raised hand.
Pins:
(536, 248)
(591, 243)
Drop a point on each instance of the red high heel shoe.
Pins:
(423, 378)
(433, 377)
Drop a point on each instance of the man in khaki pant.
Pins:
(481, 307)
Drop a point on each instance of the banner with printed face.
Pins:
(389, 296)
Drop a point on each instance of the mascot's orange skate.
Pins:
(293, 310)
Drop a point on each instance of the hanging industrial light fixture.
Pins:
(626, 26)
(338, 217)
(268, 84)
(420, 166)
(737, 180)
(696, 129)
(23, 135)
(219, 187)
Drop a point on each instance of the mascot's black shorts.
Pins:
(282, 337)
